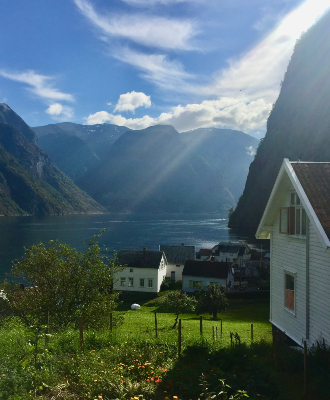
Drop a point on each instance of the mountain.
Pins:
(68, 144)
(29, 183)
(298, 127)
(159, 170)
(8, 116)
(227, 152)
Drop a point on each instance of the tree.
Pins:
(211, 299)
(178, 303)
(63, 282)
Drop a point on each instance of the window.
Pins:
(150, 282)
(131, 270)
(130, 282)
(178, 265)
(122, 281)
(293, 219)
(289, 291)
(195, 284)
(141, 282)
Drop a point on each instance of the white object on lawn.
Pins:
(135, 306)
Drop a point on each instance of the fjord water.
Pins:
(122, 231)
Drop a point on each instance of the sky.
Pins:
(137, 63)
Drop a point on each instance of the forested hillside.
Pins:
(29, 183)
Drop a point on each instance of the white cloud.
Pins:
(226, 112)
(109, 104)
(147, 30)
(259, 72)
(251, 151)
(158, 69)
(132, 100)
(40, 85)
(59, 112)
(149, 3)
(245, 90)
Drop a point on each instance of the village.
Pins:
(236, 266)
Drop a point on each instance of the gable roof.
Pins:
(315, 180)
(140, 258)
(178, 254)
(311, 181)
(207, 269)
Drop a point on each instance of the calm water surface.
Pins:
(121, 232)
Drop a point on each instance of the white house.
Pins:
(231, 252)
(204, 273)
(176, 256)
(145, 270)
(297, 222)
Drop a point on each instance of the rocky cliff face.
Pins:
(298, 127)
(29, 183)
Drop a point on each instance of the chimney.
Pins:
(182, 244)
(144, 249)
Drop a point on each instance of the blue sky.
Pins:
(187, 63)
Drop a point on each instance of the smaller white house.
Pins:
(176, 257)
(205, 273)
(231, 252)
(144, 270)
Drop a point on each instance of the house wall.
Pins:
(178, 268)
(156, 274)
(319, 290)
(204, 282)
(288, 254)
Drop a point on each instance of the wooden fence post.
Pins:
(111, 322)
(305, 367)
(221, 328)
(213, 331)
(156, 331)
(252, 332)
(201, 325)
(81, 333)
(216, 333)
(231, 338)
(179, 338)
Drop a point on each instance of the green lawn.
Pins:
(237, 319)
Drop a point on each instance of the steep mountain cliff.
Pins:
(29, 182)
(298, 127)
(159, 170)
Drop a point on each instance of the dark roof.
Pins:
(315, 180)
(140, 258)
(207, 269)
(178, 254)
(205, 251)
(227, 248)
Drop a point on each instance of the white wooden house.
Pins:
(297, 222)
(231, 252)
(176, 256)
(204, 273)
(144, 270)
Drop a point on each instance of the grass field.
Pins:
(237, 319)
(130, 363)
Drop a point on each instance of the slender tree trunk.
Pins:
(215, 314)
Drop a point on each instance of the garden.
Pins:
(68, 335)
